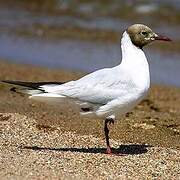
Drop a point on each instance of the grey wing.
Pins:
(99, 87)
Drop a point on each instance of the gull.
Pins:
(107, 93)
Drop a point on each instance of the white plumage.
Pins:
(109, 91)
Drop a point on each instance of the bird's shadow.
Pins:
(130, 149)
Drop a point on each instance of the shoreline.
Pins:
(153, 119)
(40, 141)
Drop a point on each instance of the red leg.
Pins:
(106, 132)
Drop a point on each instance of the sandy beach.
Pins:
(39, 141)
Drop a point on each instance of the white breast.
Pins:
(134, 73)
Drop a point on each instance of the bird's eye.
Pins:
(144, 33)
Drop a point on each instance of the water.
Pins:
(84, 56)
(75, 54)
(20, 19)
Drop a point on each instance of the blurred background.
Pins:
(84, 35)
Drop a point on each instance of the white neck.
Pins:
(134, 61)
(130, 52)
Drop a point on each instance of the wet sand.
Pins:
(147, 135)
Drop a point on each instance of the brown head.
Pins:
(142, 35)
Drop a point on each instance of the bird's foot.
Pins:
(109, 151)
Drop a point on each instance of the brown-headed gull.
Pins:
(106, 93)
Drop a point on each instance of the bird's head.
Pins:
(142, 35)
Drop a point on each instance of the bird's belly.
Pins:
(126, 107)
(122, 104)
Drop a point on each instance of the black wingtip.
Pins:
(21, 86)
(8, 81)
(3, 81)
